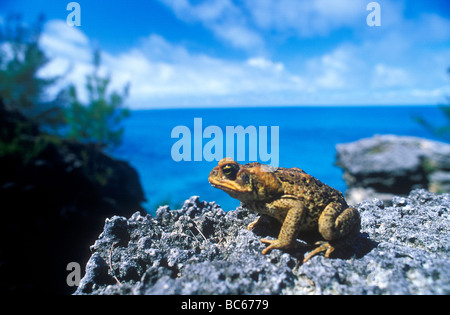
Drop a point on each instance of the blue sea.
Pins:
(307, 139)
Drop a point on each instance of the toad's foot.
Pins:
(277, 244)
(253, 224)
(325, 247)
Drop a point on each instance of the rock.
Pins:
(439, 181)
(388, 165)
(201, 249)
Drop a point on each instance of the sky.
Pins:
(218, 53)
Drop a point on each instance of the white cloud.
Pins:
(223, 18)
(70, 55)
(265, 64)
(197, 77)
(239, 36)
(163, 74)
(397, 63)
(304, 17)
(340, 69)
(243, 26)
(207, 11)
(388, 76)
(431, 93)
(64, 41)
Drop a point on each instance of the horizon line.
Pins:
(281, 106)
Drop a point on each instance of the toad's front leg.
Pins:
(289, 230)
(252, 225)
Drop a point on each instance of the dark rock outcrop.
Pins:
(55, 196)
(200, 249)
(388, 165)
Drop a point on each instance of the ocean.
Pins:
(307, 137)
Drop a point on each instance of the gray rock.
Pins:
(201, 249)
(440, 181)
(388, 165)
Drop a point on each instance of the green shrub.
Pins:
(20, 60)
(99, 120)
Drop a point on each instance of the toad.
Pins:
(300, 202)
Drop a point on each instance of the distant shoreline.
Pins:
(207, 107)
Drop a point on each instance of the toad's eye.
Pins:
(230, 170)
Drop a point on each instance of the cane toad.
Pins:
(300, 202)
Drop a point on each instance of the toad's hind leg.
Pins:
(339, 228)
(335, 222)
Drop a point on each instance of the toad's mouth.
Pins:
(229, 187)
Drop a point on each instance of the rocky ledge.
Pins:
(201, 249)
(387, 165)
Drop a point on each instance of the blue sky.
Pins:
(193, 53)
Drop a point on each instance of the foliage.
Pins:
(440, 131)
(20, 140)
(20, 60)
(22, 89)
(99, 120)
